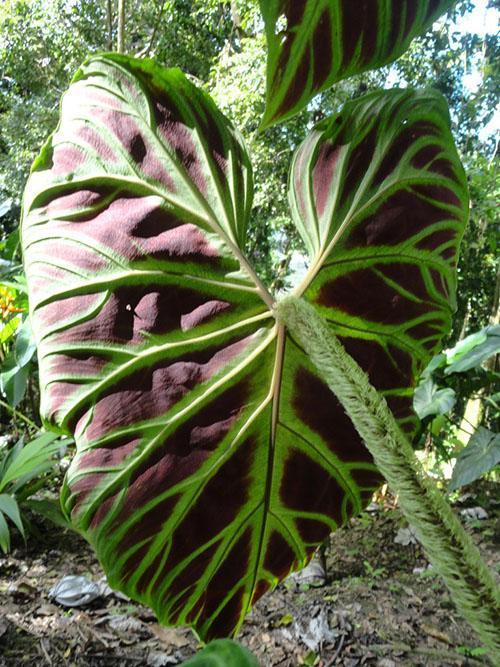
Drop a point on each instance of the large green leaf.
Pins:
(430, 400)
(481, 455)
(312, 44)
(211, 458)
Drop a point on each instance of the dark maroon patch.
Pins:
(96, 142)
(427, 329)
(175, 131)
(364, 294)
(370, 18)
(82, 365)
(185, 450)
(82, 488)
(102, 512)
(294, 11)
(120, 224)
(352, 28)
(400, 406)
(152, 392)
(358, 162)
(394, 27)
(322, 46)
(437, 239)
(366, 478)
(112, 454)
(403, 361)
(409, 427)
(425, 156)
(409, 276)
(130, 312)
(308, 487)
(440, 283)
(411, 12)
(261, 588)
(438, 193)
(203, 314)
(444, 168)
(218, 505)
(279, 556)
(133, 563)
(400, 217)
(322, 176)
(125, 129)
(148, 525)
(312, 531)
(299, 81)
(320, 410)
(70, 199)
(399, 147)
(450, 254)
(191, 573)
(374, 360)
(149, 573)
(227, 619)
(232, 570)
(66, 159)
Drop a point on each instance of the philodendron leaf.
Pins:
(312, 44)
(480, 456)
(380, 198)
(473, 350)
(211, 458)
(429, 400)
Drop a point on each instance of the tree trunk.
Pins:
(121, 26)
(109, 16)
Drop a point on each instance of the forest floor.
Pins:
(381, 605)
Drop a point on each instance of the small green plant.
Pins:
(374, 572)
(475, 652)
(22, 470)
(466, 370)
(17, 346)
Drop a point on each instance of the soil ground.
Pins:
(381, 606)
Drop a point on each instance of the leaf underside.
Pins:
(313, 44)
(211, 458)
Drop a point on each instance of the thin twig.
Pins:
(155, 30)
(337, 652)
(19, 415)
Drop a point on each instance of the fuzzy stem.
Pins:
(450, 549)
